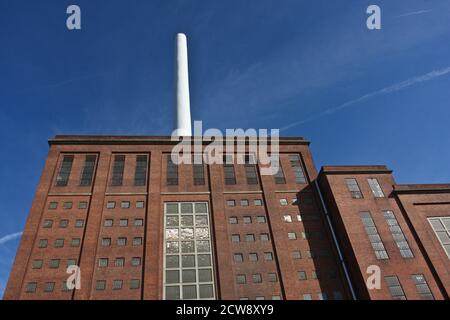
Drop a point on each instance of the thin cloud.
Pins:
(414, 13)
(393, 88)
(9, 237)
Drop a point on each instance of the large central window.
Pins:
(188, 268)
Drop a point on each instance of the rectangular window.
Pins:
(48, 223)
(137, 241)
(37, 264)
(441, 227)
(228, 170)
(395, 288)
(110, 205)
(118, 168)
(241, 279)
(375, 187)
(140, 173)
(268, 256)
(53, 205)
(250, 237)
(82, 205)
(75, 242)
(264, 237)
(238, 257)
(397, 234)
(296, 254)
(247, 220)
(125, 204)
(231, 203)
(272, 277)
(172, 172)
(108, 223)
(257, 202)
(67, 205)
(257, 278)
(135, 284)
(253, 256)
(64, 223)
(244, 203)
(103, 262)
(117, 284)
(100, 285)
(64, 171)
(106, 242)
(198, 170)
(187, 267)
(353, 187)
(138, 222)
(233, 220)
(235, 238)
(43, 243)
(296, 165)
(121, 241)
(140, 204)
(123, 222)
(422, 287)
(279, 176)
(59, 243)
(250, 169)
(49, 286)
(301, 275)
(31, 287)
(120, 262)
(54, 263)
(292, 236)
(374, 237)
(261, 219)
(79, 223)
(136, 261)
(88, 170)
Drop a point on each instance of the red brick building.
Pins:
(140, 227)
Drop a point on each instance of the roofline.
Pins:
(422, 188)
(354, 169)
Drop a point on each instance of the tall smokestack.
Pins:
(182, 104)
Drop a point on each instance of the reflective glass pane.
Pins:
(187, 221)
(172, 234)
(187, 246)
(188, 261)
(204, 260)
(186, 208)
(172, 276)
(172, 208)
(201, 208)
(190, 292)
(172, 221)
(189, 276)
(203, 246)
(172, 247)
(172, 262)
(204, 275)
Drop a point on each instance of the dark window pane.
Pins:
(140, 174)
(88, 170)
(118, 167)
(64, 171)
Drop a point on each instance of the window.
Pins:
(118, 168)
(49, 286)
(140, 204)
(88, 170)
(296, 165)
(125, 204)
(292, 236)
(172, 172)
(137, 241)
(287, 218)
(199, 170)
(264, 237)
(395, 288)
(233, 220)
(235, 238)
(117, 284)
(353, 187)
(188, 269)
(140, 173)
(238, 257)
(247, 220)
(250, 237)
(53, 205)
(241, 279)
(138, 222)
(272, 277)
(252, 257)
(250, 169)
(120, 262)
(301, 275)
(110, 205)
(79, 223)
(231, 203)
(135, 284)
(54, 263)
(260, 298)
(276, 297)
(37, 264)
(103, 262)
(63, 223)
(71, 262)
(283, 202)
(59, 243)
(374, 237)
(43, 243)
(228, 170)
(376, 189)
(268, 256)
(397, 234)
(441, 227)
(100, 285)
(422, 287)
(257, 278)
(106, 242)
(82, 205)
(279, 176)
(296, 254)
(307, 296)
(121, 242)
(257, 202)
(123, 222)
(244, 203)
(75, 242)
(136, 261)
(31, 287)
(108, 223)
(47, 223)
(67, 205)
(261, 219)
(64, 171)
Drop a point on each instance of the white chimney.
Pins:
(182, 104)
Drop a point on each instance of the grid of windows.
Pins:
(140, 173)
(374, 237)
(88, 170)
(118, 167)
(296, 165)
(376, 188)
(353, 187)
(188, 271)
(441, 227)
(395, 288)
(228, 170)
(198, 170)
(172, 172)
(422, 287)
(64, 171)
(397, 234)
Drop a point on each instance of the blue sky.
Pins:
(311, 67)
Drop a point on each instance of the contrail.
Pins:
(414, 13)
(9, 237)
(393, 88)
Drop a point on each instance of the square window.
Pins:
(138, 222)
(117, 284)
(49, 286)
(120, 262)
(233, 220)
(257, 278)
(54, 263)
(136, 261)
(244, 203)
(172, 261)
(283, 202)
(188, 261)
(59, 243)
(172, 292)
(261, 219)
(272, 277)
(301, 275)
(48, 223)
(137, 241)
(264, 237)
(106, 242)
(121, 241)
(296, 254)
(82, 205)
(204, 260)
(257, 202)
(268, 256)
(103, 262)
(190, 292)
(172, 208)
(135, 284)
(231, 203)
(238, 257)
(108, 223)
(71, 262)
(235, 238)
(253, 257)
(188, 276)
(125, 204)
(123, 222)
(79, 223)
(247, 220)
(206, 291)
(292, 236)
(205, 275)
(241, 279)
(43, 243)
(110, 205)
(31, 287)
(139, 204)
(53, 205)
(100, 285)
(37, 264)
(63, 223)
(172, 276)
(287, 218)
(67, 205)
(249, 237)
(75, 242)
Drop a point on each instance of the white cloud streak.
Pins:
(9, 237)
(414, 13)
(393, 88)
